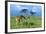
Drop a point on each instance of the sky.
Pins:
(16, 9)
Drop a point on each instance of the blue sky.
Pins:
(15, 9)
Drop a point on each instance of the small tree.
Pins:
(32, 13)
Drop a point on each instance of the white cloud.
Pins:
(18, 6)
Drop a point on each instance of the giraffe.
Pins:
(18, 18)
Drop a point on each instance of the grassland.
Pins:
(29, 22)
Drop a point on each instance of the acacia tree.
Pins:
(32, 13)
(24, 12)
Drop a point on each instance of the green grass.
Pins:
(29, 22)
